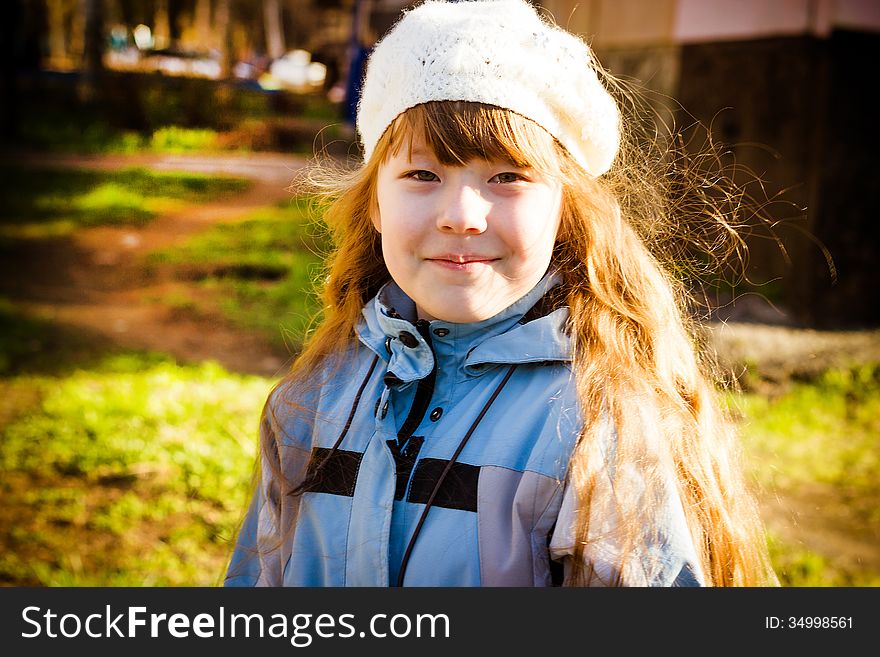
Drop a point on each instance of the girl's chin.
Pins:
(457, 313)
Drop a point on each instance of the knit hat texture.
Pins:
(497, 52)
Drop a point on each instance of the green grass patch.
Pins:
(174, 139)
(797, 566)
(133, 472)
(100, 138)
(824, 431)
(47, 202)
(262, 269)
(119, 468)
(47, 131)
(817, 447)
(132, 469)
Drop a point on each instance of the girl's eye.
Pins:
(508, 177)
(422, 175)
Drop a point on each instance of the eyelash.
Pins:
(511, 173)
(415, 176)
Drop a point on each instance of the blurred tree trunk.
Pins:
(93, 41)
(162, 26)
(76, 29)
(302, 27)
(203, 25)
(93, 48)
(175, 10)
(223, 29)
(57, 33)
(274, 28)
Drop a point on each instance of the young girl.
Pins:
(504, 390)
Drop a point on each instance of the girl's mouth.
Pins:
(461, 262)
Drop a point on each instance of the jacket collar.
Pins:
(530, 330)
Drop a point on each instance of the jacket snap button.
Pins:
(441, 332)
(436, 413)
(384, 409)
(408, 339)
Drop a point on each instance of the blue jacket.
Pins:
(440, 446)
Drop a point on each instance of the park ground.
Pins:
(113, 476)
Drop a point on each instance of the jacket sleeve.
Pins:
(263, 547)
(245, 567)
(667, 557)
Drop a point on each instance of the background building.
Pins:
(783, 86)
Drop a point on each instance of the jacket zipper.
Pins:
(424, 393)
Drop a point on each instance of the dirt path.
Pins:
(98, 280)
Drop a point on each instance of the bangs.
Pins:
(460, 131)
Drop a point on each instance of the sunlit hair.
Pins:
(625, 252)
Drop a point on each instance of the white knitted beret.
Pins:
(497, 52)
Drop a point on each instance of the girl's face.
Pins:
(464, 242)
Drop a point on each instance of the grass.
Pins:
(47, 202)
(124, 468)
(261, 268)
(132, 469)
(98, 137)
(836, 419)
(137, 113)
(282, 133)
(800, 567)
(820, 442)
(119, 468)
(132, 472)
(174, 139)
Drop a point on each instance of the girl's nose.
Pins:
(463, 210)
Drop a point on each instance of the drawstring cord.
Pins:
(445, 472)
(308, 480)
(357, 398)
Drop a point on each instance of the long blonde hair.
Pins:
(636, 358)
